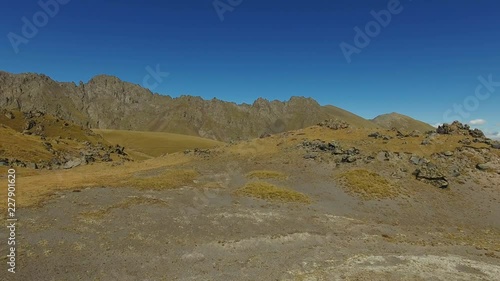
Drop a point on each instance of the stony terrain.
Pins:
(327, 202)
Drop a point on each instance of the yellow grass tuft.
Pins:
(270, 192)
(368, 185)
(168, 180)
(263, 174)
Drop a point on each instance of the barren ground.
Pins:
(97, 223)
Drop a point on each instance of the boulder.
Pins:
(349, 159)
(465, 141)
(488, 167)
(120, 150)
(72, 163)
(29, 125)
(415, 134)
(106, 158)
(430, 174)
(448, 153)
(384, 156)
(476, 133)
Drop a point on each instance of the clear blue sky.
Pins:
(425, 60)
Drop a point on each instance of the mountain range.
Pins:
(106, 102)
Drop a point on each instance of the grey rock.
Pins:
(338, 151)
(72, 163)
(430, 174)
(415, 134)
(465, 141)
(352, 151)
(29, 125)
(349, 159)
(384, 156)
(106, 158)
(448, 153)
(417, 160)
(488, 167)
(310, 156)
(120, 150)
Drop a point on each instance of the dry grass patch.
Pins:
(152, 144)
(168, 180)
(263, 174)
(270, 192)
(368, 185)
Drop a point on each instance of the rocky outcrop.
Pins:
(377, 135)
(457, 128)
(334, 124)
(429, 173)
(316, 148)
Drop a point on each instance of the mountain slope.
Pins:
(401, 122)
(106, 102)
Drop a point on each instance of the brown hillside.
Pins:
(401, 122)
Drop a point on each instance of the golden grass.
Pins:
(264, 174)
(353, 137)
(22, 147)
(368, 185)
(153, 144)
(34, 189)
(255, 147)
(270, 192)
(167, 180)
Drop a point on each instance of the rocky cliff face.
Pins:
(106, 102)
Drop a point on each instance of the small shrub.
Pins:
(263, 174)
(368, 185)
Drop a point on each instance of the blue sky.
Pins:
(424, 62)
